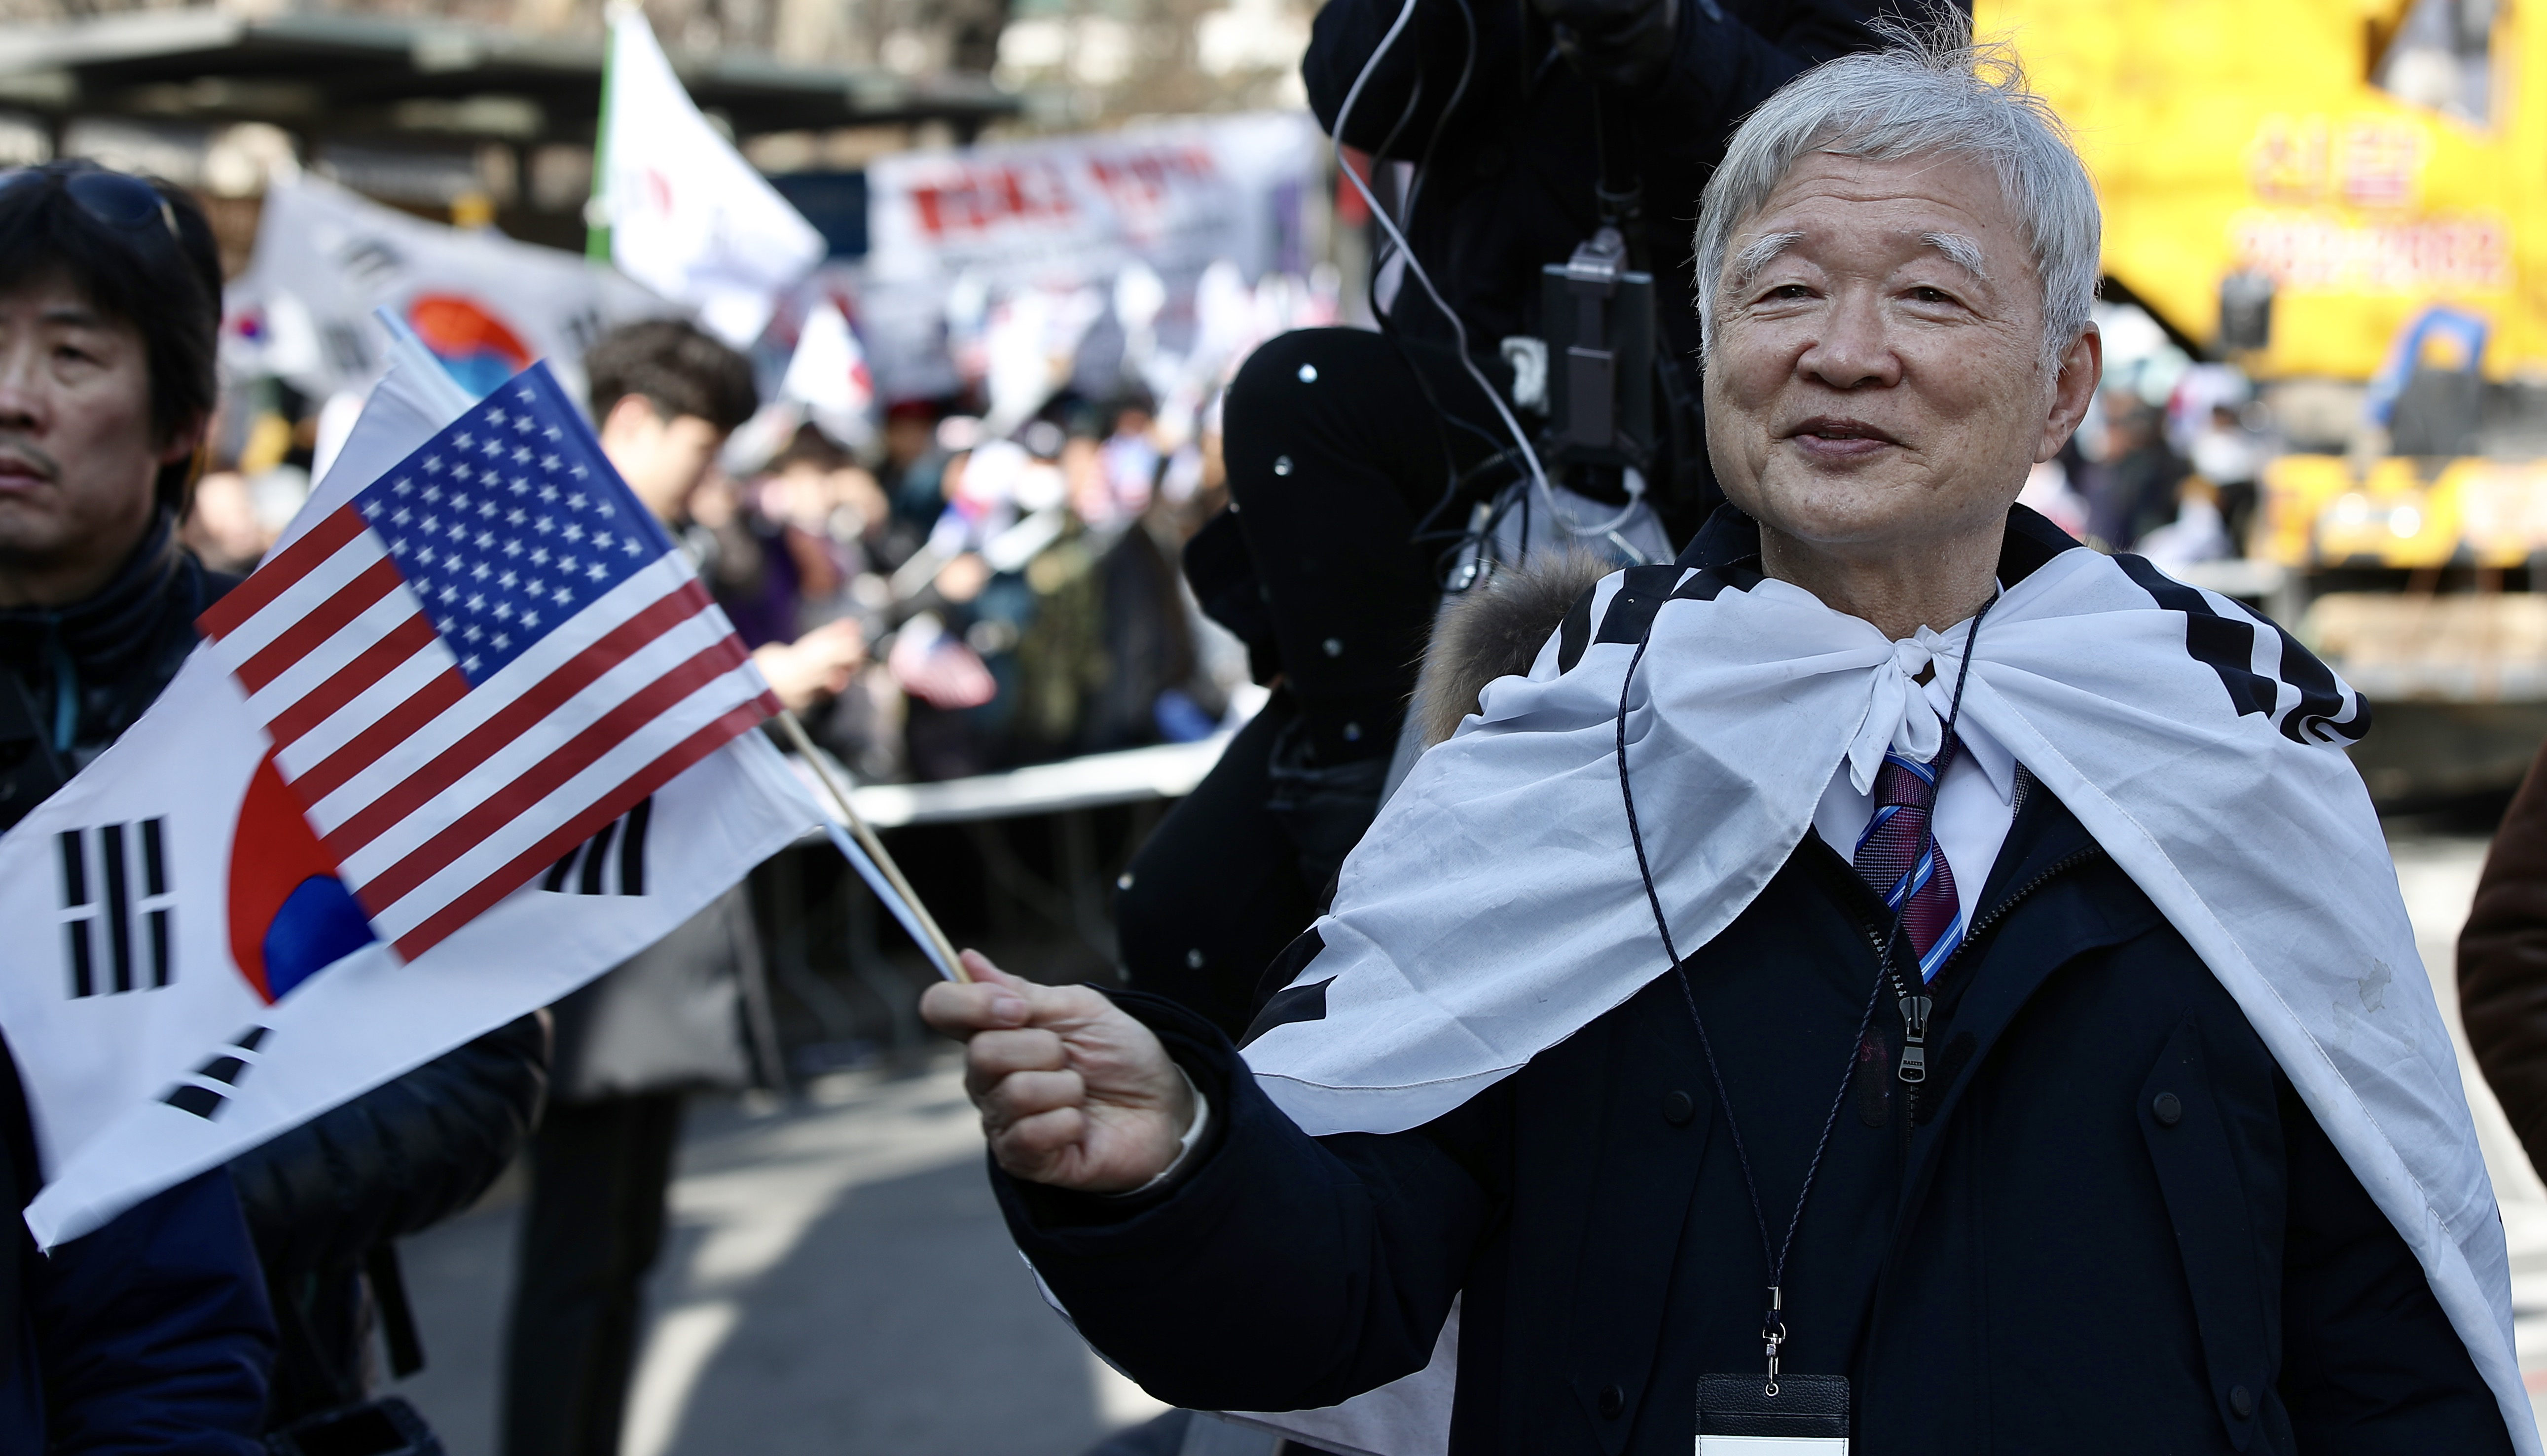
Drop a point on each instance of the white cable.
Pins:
(1529, 457)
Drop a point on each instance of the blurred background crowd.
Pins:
(957, 601)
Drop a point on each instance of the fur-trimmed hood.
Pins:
(1496, 631)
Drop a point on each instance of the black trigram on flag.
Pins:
(204, 1097)
(612, 862)
(116, 908)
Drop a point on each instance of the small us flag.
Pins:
(482, 658)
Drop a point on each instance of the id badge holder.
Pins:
(1738, 1417)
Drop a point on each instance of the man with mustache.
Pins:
(151, 1333)
(157, 1332)
(1897, 976)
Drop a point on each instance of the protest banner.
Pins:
(953, 233)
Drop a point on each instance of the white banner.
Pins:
(951, 233)
(486, 305)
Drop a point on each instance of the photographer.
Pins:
(1356, 459)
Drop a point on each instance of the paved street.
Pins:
(837, 1280)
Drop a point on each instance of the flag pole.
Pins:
(794, 731)
(596, 209)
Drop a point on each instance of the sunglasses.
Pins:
(121, 201)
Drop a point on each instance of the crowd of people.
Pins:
(944, 602)
(2178, 482)
(975, 602)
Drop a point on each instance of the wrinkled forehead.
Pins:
(1943, 204)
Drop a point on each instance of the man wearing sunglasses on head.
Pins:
(177, 1327)
(152, 1332)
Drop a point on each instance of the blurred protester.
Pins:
(2196, 535)
(835, 523)
(2503, 964)
(1061, 664)
(1006, 502)
(222, 527)
(1115, 478)
(915, 459)
(691, 1012)
(152, 1332)
(2134, 490)
(743, 557)
(1195, 478)
(2232, 457)
(665, 399)
(843, 542)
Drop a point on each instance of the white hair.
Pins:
(1930, 93)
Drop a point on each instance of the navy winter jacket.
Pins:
(2105, 1224)
(152, 1333)
(151, 1336)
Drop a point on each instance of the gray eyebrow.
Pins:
(1755, 255)
(1959, 250)
(1761, 251)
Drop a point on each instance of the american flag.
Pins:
(485, 656)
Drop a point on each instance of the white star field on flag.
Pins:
(507, 523)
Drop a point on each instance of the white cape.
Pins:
(1495, 909)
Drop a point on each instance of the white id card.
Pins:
(1756, 1415)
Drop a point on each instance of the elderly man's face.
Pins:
(1873, 395)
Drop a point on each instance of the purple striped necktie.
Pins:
(1887, 855)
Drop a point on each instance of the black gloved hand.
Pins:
(1620, 43)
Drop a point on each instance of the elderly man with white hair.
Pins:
(1896, 976)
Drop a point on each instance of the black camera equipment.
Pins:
(1599, 314)
(1597, 309)
(1612, 303)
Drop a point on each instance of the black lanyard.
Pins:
(1914, 1008)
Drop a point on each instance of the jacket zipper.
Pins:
(1915, 1009)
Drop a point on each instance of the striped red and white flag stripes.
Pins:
(436, 797)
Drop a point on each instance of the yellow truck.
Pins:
(2291, 185)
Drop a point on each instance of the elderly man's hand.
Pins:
(1072, 1092)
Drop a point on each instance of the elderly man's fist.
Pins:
(1073, 1091)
